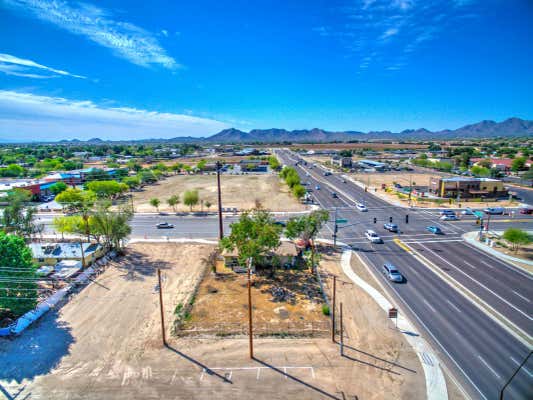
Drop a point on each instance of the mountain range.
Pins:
(511, 127)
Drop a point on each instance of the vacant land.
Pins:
(240, 191)
(105, 343)
(284, 302)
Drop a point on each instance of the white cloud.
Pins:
(164, 32)
(124, 39)
(390, 32)
(25, 116)
(12, 65)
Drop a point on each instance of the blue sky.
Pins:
(129, 70)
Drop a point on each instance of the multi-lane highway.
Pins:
(480, 352)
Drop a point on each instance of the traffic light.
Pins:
(406, 218)
(390, 220)
(375, 220)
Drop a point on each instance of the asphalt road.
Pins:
(481, 354)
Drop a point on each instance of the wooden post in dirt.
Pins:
(342, 330)
(333, 309)
(220, 224)
(163, 335)
(250, 328)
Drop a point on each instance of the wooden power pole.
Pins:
(250, 327)
(333, 309)
(342, 330)
(220, 225)
(161, 308)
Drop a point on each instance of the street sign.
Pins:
(479, 214)
(341, 221)
(393, 313)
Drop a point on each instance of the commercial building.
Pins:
(343, 162)
(467, 188)
(378, 166)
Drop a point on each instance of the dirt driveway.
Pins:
(105, 344)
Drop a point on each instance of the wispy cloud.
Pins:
(26, 116)
(126, 40)
(12, 65)
(383, 33)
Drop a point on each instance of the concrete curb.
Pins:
(435, 383)
(470, 238)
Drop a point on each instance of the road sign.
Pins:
(479, 214)
(341, 221)
(393, 313)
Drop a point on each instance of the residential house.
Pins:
(52, 252)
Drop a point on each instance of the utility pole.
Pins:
(250, 328)
(82, 257)
(163, 334)
(342, 330)
(333, 309)
(516, 372)
(335, 230)
(220, 226)
(410, 188)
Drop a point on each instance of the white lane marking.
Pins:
(524, 368)
(470, 265)
(429, 305)
(432, 241)
(479, 283)
(522, 297)
(489, 367)
(454, 306)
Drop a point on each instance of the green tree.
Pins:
(253, 235)
(345, 153)
(517, 237)
(58, 187)
(107, 189)
(155, 202)
(529, 173)
(132, 181)
(480, 171)
(485, 163)
(191, 198)
(18, 288)
(173, 201)
(201, 165)
(113, 227)
(208, 204)
(17, 217)
(298, 191)
(518, 164)
(273, 162)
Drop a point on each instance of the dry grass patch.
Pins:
(240, 191)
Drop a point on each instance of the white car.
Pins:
(373, 236)
(361, 207)
(449, 217)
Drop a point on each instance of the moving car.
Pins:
(373, 236)
(434, 229)
(526, 210)
(327, 173)
(494, 210)
(334, 195)
(164, 225)
(361, 207)
(447, 212)
(392, 273)
(317, 187)
(391, 227)
(449, 217)
(467, 212)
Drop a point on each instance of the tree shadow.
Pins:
(37, 351)
(295, 379)
(204, 367)
(392, 363)
(137, 266)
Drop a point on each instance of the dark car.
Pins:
(434, 229)
(391, 227)
(164, 225)
(334, 195)
(281, 223)
(527, 210)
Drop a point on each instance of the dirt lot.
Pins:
(240, 191)
(105, 344)
(221, 305)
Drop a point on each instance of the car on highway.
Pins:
(327, 173)
(391, 227)
(467, 212)
(494, 210)
(434, 229)
(526, 210)
(164, 225)
(373, 236)
(361, 207)
(449, 217)
(334, 195)
(317, 187)
(344, 181)
(447, 212)
(392, 273)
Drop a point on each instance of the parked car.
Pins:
(164, 225)
(494, 210)
(434, 229)
(391, 227)
(373, 236)
(526, 210)
(449, 217)
(392, 273)
(361, 207)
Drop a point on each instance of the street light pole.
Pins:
(250, 328)
(220, 225)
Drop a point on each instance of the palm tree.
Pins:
(173, 201)
(155, 202)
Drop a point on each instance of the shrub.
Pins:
(325, 309)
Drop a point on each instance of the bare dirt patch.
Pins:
(286, 302)
(240, 191)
